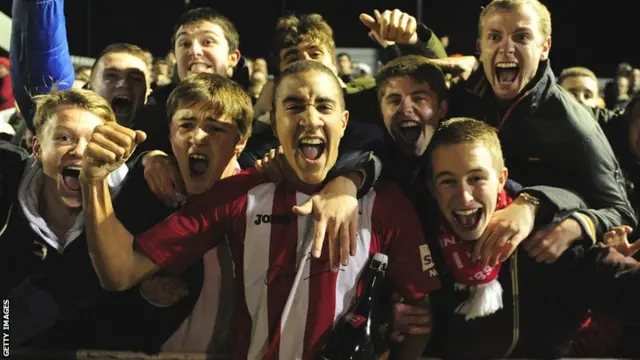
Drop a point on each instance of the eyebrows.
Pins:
(191, 117)
(447, 173)
(392, 93)
(184, 33)
(518, 30)
(294, 50)
(298, 99)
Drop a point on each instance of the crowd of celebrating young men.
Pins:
(183, 224)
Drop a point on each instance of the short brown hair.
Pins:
(47, 105)
(464, 131)
(577, 71)
(124, 48)
(544, 16)
(417, 68)
(293, 29)
(226, 97)
(202, 14)
(303, 66)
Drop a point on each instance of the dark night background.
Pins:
(597, 34)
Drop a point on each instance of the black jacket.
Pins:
(57, 302)
(550, 139)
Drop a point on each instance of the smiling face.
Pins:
(202, 47)
(309, 121)
(411, 112)
(466, 183)
(59, 146)
(511, 46)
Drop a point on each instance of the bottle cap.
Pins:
(381, 258)
(379, 262)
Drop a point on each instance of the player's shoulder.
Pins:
(249, 178)
(388, 190)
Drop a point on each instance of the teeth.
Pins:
(78, 168)
(466, 212)
(311, 141)
(198, 157)
(198, 67)
(409, 124)
(507, 65)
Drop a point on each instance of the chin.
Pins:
(468, 235)
(197, 187)
(72, 202)
(312, 178)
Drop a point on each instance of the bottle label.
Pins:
(355, 320)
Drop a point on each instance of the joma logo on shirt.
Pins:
(272, 219)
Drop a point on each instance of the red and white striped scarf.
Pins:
(485, 291)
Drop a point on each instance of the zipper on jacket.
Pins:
(516, 304)
(4, 228)
(511, 108)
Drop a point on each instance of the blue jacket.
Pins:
(40, 58)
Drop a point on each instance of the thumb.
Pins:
(369, 21)
(633, 248)
(305, 209)
(141, 136)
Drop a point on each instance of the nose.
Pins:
(507, 46)
(310, 118)
(465, 194)
(198, 136)
(195, 48)
(80, 146)
(121, 82)
(581, 98)
(406, 106)
(306, 55)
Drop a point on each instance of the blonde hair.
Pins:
(463, 130)
(544, 16)
(47, 105)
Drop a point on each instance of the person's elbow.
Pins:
(115, 279)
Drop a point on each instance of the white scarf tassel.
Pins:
(484, 300)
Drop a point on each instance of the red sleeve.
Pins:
(411, 270)
(200, 224)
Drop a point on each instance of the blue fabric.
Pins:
(40, 58)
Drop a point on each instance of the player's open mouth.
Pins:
(410, 130)
(198, 67)
(468, 219)
(70, 175)
(311, 148)
(198, 164)
(122, 105)
(507, 72)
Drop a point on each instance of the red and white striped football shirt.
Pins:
(290, 299)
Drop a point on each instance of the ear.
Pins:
(240, 146)
(345, 121)
(37, 148)
(502, 178)
(234, 57)
(148, 93)
(546, 48)
(478, 51)
(442, 110)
